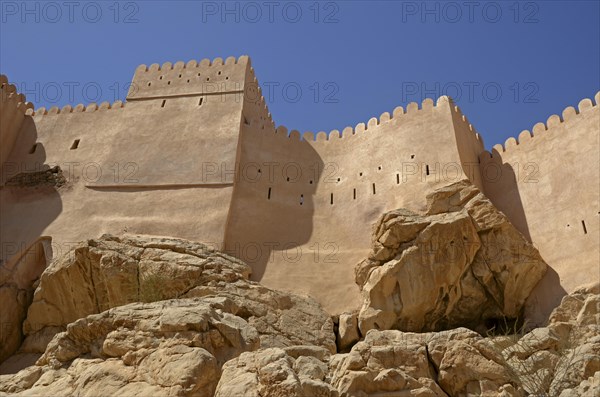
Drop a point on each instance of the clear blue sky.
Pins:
(509, 64)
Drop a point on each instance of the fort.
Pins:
(194, 153)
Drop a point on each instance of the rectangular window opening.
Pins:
(584, 228)
(164, 102)
(397, 179)
(75, 144)
(269, 194)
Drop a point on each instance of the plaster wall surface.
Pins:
(304, 221)
(548, 183)
(143, 167)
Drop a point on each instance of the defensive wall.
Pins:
(194, 153)
(548, 183)
(134, 166)
(304, 220)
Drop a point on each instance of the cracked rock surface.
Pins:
(461, 263)
(112, 271)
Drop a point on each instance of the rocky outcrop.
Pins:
(112, 271)
(461, 263)
(564, 357)
(457, 362)
(173, 347)
(226, 336)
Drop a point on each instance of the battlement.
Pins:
(10, 95)
(412, 109)
(80, 108)
(13, 110)
(189, 79)
(552, 124)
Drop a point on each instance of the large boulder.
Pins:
(461, 263)
(167, 348)
(112, 271)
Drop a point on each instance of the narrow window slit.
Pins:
(200, 101)
(427, 169)
(397, 179)
(164, 102)
(331, 199)
(269, 194)
(374, 189)
(75, 144)
(301, 199)
(584, 228)
(354, 194)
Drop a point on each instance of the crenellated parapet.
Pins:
(372, 125)
(13, 110)
(188, 79)
(256, 111)
(553, 125)
(546, 182)
(79, 108)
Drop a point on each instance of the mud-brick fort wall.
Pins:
(548, 183)
(304, 220)
(194, 153)
(134, 167)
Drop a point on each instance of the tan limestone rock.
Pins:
(460, 264)
(172, 347)
(272, 372)
(113, 271)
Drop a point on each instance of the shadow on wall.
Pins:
(29, 202)
(29, 195)
(544, 298)
(502, 188)
(272, 217)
